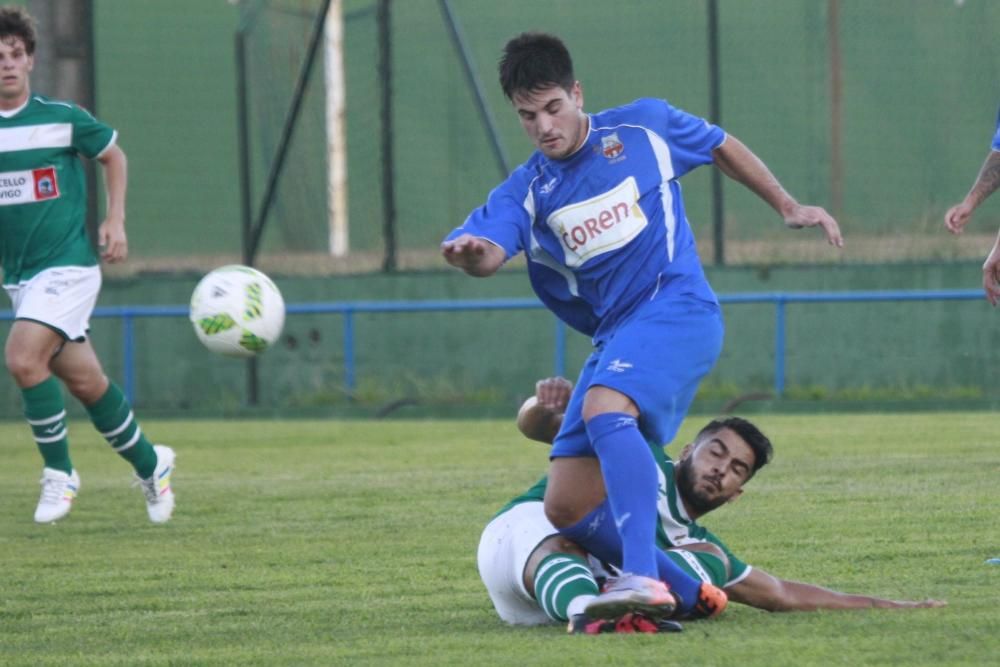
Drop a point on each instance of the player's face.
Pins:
(714, 469)
(553, 118)
(15, 66)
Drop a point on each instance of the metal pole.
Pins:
(243, 142)
(128, 357)
(560, 351)
(836, 100)
(477, 87)
(779, 347)
(336, 131)
(243, 145)
(288, 129)
(388, 184)
(349, 372)
(715, 116)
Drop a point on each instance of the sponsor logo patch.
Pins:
(25, 187)
(45, 183)
(599, 225)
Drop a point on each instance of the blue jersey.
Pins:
(996, 137)
(605, 229)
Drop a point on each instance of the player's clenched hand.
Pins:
(957, 217)
(815, 216)
(553, 393)
(112, 241)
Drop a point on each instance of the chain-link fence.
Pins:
(880, 111)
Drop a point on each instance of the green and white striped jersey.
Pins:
(675, 528)
(43, 195)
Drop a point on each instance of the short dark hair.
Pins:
(759, 443)
(533, 61)
(15, 21)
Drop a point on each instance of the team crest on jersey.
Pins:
(45, 183)
(612, 146)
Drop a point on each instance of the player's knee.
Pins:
(26, 368)
(601, 400)
(560, 513)
(87, 387)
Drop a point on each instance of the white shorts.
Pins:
(507, 543)
(62, 298)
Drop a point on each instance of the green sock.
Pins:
(112, 415)
(563, 585)
(45, 411)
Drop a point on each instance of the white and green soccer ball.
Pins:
(237, 311)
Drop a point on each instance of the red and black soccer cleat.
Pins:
(630, 623)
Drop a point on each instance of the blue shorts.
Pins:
(657, 358)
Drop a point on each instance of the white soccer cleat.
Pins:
(159, 495)
(58, 492)
(631, 593)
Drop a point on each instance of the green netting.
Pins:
(918, 102)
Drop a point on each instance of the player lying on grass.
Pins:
(535, 576)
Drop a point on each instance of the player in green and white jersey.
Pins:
(52, 275)
(535, 576)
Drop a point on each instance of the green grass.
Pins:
(353, 543)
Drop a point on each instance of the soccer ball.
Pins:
(237, 311)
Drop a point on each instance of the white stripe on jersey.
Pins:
(662, 152)
(58, 103)
(536, 253)
(694, 564)
(30, 137)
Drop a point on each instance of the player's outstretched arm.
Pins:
(740, 164)
(111, 232)
(986, 183)
(474, 255)
(767, 592)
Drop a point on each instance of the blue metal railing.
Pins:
(348, 310)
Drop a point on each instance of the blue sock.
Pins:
(597, 534)
(630, 480)
(680, 582)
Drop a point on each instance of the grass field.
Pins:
(353, 543)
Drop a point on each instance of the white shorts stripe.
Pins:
(47, 420)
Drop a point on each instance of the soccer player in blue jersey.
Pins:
(598, 211)
(959, 215)
(51, 273)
